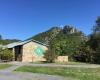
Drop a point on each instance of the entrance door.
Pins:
(18, 53)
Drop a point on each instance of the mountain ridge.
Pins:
(48, 35)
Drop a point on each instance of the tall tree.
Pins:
(94, 41)
(96, 29)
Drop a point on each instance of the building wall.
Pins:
(29, 55)
(62, 59)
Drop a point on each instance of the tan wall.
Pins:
(62, 59)
(28, 52)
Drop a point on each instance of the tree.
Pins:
(50, 54)
(66, 44)
(97, 55)
(94, 41)
(96, 28)
(6, 54)
(84, 53)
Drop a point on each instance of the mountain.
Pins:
(46, 36)
(50, 34)
(64, 41)
(7, 41)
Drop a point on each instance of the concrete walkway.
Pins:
(27, 76)
(56, 65)
(59, 65)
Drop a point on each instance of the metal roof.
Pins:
(22, 43)
(11, 45)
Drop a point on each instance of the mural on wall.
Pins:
(39, 51)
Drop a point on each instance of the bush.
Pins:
(6, 54)
(84, 54)
(50, 55)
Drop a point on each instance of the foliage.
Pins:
(90, 50)
(96, 55)
(7, 41)
(94, 41)
(50, 55)
(46, 36)
(66, 44)
(83, 53)
(6, 54)
(64, 41)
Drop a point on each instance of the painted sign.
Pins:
(39, 51)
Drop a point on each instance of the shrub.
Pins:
(50, 55)
(6, 54)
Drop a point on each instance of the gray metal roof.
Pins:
(22, 43)
(11, 45)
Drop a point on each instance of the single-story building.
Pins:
(28, 51)
(31, 51)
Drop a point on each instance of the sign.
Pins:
(39, 51)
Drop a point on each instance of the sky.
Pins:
(21, 19)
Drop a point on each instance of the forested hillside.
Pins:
(54, 32)
(7, 41)
(64, 40)
(46, 36)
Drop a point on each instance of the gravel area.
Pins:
(27, 76)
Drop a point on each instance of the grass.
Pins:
(3, 66)
(71, 63)
(63, 63)
(75, 73)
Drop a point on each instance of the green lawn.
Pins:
(75, 73)
(64, 63)
(3, 66)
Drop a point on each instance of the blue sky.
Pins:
(22, 19)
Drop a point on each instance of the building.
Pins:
(31, 51)
(28, 51)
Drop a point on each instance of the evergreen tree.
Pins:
(94, 41)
